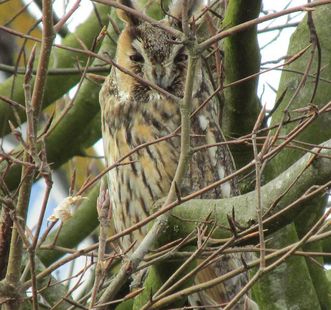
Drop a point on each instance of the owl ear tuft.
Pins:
(176, 9)
(125, 16)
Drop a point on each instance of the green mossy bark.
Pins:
(326, 247)
(306, 219)
(328, 275)
(318, 131)
(157, 275)
(125, 305)
(184, 222)
(313, 134)
(318, 275)
(267, 291)
(241, 59)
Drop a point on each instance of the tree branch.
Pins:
(33, 109)
(315, 133)
(186, 216)
(241, 59)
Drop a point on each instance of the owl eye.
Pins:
(181, 57)
(136, 57)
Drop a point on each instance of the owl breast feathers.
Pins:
(134, 113)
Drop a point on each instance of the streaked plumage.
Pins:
(133, 113)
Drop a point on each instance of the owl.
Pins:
(134, 113)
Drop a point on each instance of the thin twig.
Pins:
(104, 213)
(259, 20)
(258, 173)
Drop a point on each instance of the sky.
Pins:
(276, 49)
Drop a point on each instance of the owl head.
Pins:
(152, 53)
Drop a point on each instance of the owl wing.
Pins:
(210, 164)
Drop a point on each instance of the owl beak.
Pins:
(159, 76)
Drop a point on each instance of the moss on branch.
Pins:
(186, 215)
(315, 133)
(241, 59)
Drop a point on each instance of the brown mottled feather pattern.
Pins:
(133, 114)
(155, 166)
